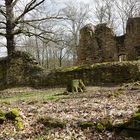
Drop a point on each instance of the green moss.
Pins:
(97, 73)
(12, 114)
(42, 138)
(121, 126)
(51, 122)
(107, 123)
(2, 117)
(131, 127)
(2, 113)
(85, 125)
(72, 68)
(138, 111)
(100, 127)
(117, 93)
(6, 102)
(19, 123)
(136, 116)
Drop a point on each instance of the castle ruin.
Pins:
(99, 44)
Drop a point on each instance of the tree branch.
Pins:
(30, 6)
(37, 27)
(41, 19)
(14, 3)
(2, 27)
(2, 22)
(2, 34)
(2, 12)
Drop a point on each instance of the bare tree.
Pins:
(14, 19)
(127, 9)
(11, 22)
(104, 12)
(77, 14)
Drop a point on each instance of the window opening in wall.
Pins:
(122, 57)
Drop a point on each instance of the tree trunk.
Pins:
(10, 44)
(10, 27)
(76, 85)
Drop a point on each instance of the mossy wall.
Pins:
(2, 72)
(21, 69)
(103, 73)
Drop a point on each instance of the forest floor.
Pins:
(35, 105)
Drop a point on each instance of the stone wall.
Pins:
(20, 69)
(100, 44)
(87, 41)
(106, 42)
(132, 38)
(97, 74)
(97, 44)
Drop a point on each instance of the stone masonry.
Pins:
(99, 43)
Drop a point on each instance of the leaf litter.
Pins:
(92, 106)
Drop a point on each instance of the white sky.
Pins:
(3, 51)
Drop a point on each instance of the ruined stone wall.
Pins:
(132, 38)
(87, 53)
(20, 69)
(99, 44)
(106, 42)
(96, 74)
(23, 69)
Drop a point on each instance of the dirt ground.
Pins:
(116, 102)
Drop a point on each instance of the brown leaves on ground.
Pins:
(97, 103)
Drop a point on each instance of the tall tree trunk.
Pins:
(10, 27)
(10, 43)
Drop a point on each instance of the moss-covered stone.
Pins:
(19, 123)
(51, 122)
(12, 114)
(100, 127)
(2, 116)
(85, 125)
(136, 116)
(107, 123)
(131, 127)
(6, 102)
(99, 73)
(2, 113)
(138, 111)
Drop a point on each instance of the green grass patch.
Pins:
(35, 96)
